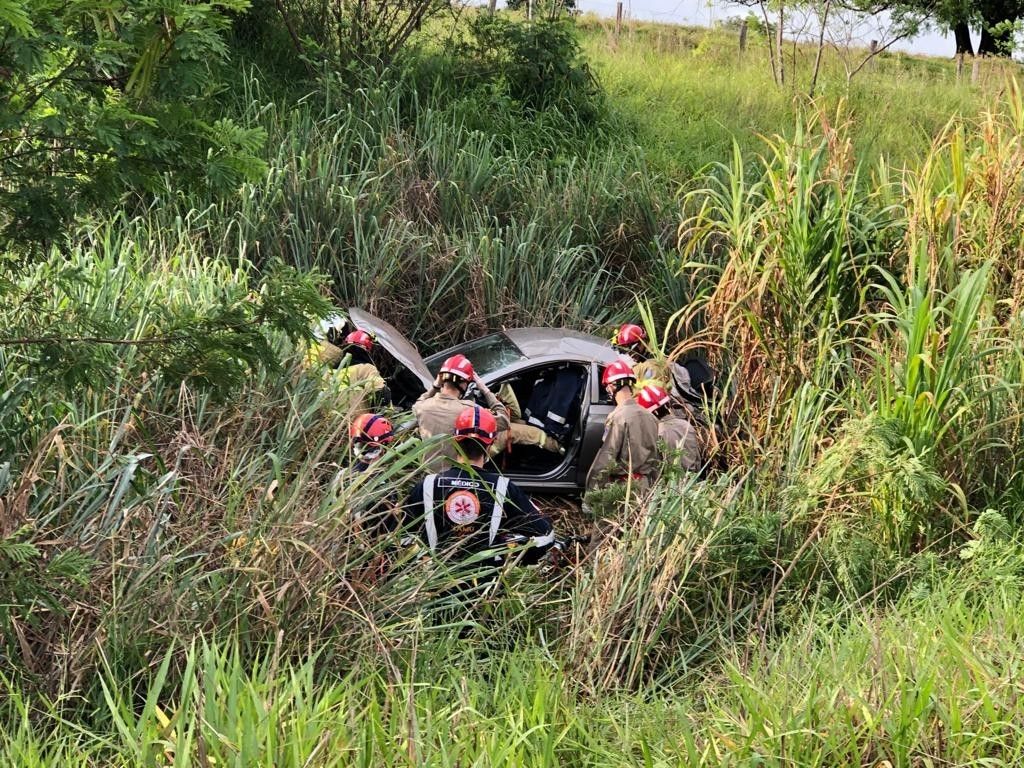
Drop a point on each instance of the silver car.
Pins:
(525, 359)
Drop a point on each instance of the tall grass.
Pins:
(404, 204)
(783, 260)
(931, 680)
(644, 613)
(864, 329)
(141, 507)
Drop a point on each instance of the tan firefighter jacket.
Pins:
(435, 415)
(681, 438)
(630, 447)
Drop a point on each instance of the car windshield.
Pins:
(487, 355)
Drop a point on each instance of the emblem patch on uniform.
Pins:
(462, 507)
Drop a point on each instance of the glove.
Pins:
(482, 388)
(435, 387)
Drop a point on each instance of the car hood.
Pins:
(389, 337)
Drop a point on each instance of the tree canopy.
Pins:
(97, 96)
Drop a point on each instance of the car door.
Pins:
(562, 477)
(596, 413)
(413, 377)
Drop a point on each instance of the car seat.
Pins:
(554, 401)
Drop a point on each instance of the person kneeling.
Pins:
(465, 512)
(629, 450)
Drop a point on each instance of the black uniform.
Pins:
(377, 509)
(462, 513)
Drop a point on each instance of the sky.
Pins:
(705, 13)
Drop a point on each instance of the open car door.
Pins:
(410, 377)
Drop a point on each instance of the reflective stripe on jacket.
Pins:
(553, 400)
(463, 511)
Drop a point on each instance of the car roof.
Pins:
(556, 342)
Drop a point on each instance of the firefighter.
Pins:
(629, 451)
(360, 376)
(370, 434)
(329, 335)
(631, 340)
(466, 510)
(677, 432)
(378, 509)
(438, 407)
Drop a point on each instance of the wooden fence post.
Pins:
(975, 70)
(618, 19)
(959, 66)
(743, 37)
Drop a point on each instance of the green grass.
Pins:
(932, 679)
(689, 96)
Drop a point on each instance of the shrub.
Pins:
(360, 39)
(538, 64)
(73, 320)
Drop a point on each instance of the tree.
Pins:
(995, 19)
(852, 24)
(845, 25)
(549, 9)
(770, 29)
(99, 96)
(962, 36)
(538, 64)
(998, 23)
(357, 35)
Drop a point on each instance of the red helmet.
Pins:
(629, 335)
(617, 371)
(360, 339)
(652, 397)
(476, 423)
(459, 367)
(371, 429)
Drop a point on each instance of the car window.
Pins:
(487, 355)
